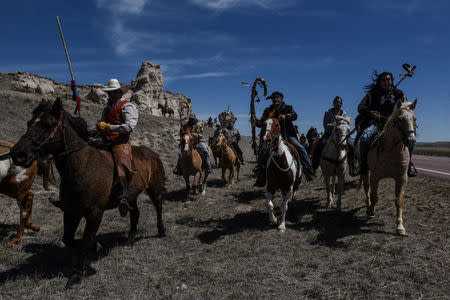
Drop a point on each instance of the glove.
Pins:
(103, 126)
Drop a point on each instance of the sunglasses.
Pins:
(115, 92)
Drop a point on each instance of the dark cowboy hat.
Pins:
(275, 94)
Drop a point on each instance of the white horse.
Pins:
(283, 171)
(334, 160)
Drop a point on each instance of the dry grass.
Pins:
(221, 246)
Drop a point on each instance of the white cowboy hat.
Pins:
(114, 84)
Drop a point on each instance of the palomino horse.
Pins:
(16, 183)
(192, 164)
(228, 160)
(333, 162)
(283, 171)
(87, 186)
(388, 157)
(166, 110)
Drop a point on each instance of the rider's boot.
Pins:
(261, 179)
(177, 170)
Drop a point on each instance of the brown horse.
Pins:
(388, 157)
(228, 160)
(192, 164)
(283, 170)
(88, 184)
(166, 110)
(16, 183)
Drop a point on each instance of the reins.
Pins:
(273, 158)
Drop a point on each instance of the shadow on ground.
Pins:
(254, 220)
(249, 196)
(50, 260)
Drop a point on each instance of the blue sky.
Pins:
(311, 51)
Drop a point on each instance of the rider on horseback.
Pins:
(286, 116)
(233, 137)
(197, 131)
(329, 119)
(374, 110)
(119, 118)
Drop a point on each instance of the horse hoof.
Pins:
(402, 232)
(203, 192)
(34, 227)
(131, 239)
(162, 232)
(274, 222)
(74, 279)
(14, 242)
(281, 228)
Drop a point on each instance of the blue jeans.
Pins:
(205, 151)
(364, 140)
(301, 150)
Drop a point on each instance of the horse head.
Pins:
(186, 140)
(43, 134)
(341, 130)
(272, 131)
(404, 119)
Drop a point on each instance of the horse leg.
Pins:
(188, 186)
(340, 190)
(400, 185)
(21, 201)
(88, 245)
(284, 207)
(365, 182)
(28, 209)
(157, 200)
(238, 169)
(196, 181)
(269, 196)
(223, 173)
(70, 226)
(205, 175)
(328, 187)
(373, 190)
(231, 176)
(134, 220)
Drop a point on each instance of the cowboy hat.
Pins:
(114, 84)
(275, 94)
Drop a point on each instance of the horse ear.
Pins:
(413, 105)
(57, 108)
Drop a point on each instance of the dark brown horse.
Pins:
(88, 184)
(166, 110)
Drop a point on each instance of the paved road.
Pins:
(433, 166)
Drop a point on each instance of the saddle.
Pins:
(5, 148)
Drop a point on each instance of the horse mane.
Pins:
(77, 123)
(396, 111)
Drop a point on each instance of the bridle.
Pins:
(47, 140)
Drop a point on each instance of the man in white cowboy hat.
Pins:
(119, 118)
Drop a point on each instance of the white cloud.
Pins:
(123, 6)
(200, 75)
(229, 4)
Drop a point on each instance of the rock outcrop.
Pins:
(31, 83)
(97, 95)
(148, 93)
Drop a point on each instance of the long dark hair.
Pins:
(375, 88)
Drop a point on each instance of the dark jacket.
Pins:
(378, 101)
(286, 126)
